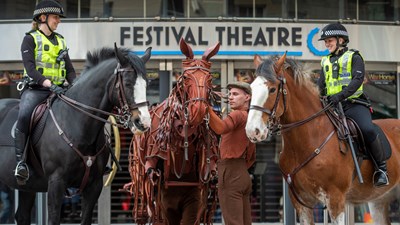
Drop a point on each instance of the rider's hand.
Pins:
(46, 83)
(56, 89)
(335, 99)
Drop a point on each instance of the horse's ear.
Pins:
(211, 52)
(279, 63)
(147, 55)
(257, 60)
(120, 57)
(186, 49)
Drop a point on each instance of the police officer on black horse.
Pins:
(47, 66)
(341, 79)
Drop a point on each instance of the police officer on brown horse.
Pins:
(47, 65)
(341, 79)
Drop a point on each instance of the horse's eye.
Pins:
(272, 90)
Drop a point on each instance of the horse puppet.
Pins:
(311, 160)
(68, 147)
(184, 148)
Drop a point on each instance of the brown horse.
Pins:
(184, 146)
(315, 169)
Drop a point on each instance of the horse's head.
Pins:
(268, 101)
(194, 85)
(130, 90)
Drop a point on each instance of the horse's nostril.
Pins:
(257, 131)
(137, 122)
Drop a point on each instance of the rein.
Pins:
(123, 117)
(186, 121)
(124, 114)
(275, 127)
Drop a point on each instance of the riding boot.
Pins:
(21, 171)
(380, 175)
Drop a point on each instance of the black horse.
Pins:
(68, 144)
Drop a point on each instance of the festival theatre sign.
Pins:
(239, 40)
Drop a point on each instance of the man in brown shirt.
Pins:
(237, 154)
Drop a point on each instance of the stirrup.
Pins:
(381, 184)
(21, 178)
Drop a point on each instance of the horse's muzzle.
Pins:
(137, 127)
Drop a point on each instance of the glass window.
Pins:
(381, 90)
(165, 8)
(8, 83)
(153, 88)
(207, 8)
(379, 10)
(262, 8)
(114, 8)
(10, 9)
(324, 9)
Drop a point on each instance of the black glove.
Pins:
(56, 89)
(335, 99)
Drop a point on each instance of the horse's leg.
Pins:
(56, 192)
(336, 203)
(25, 204)
(379, 212)
(305, 215)
(89, 198)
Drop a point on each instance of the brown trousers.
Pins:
(181, 204)
(234, 189)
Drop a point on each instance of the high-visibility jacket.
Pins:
(335, 85)
(45, 57)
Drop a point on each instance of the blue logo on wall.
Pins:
(310, 45)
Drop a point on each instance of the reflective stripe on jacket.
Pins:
(335, 85)
(45, 57)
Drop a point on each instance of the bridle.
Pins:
(193, 68)
(186, 102)
(124, 110)
(123, 117)
(275, 127)
(273, 124)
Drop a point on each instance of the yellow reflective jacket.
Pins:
(335, 85)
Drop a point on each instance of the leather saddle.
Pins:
(358, 138)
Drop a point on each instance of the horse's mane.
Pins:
(296, 70)
(95, 57)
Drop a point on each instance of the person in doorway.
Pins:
(341, 80)
(47, 66)
(237, 155)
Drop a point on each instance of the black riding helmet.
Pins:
(48, 7)
(335, 30)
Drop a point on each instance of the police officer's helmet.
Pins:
(334, 30)
(48, 7)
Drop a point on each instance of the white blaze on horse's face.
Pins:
(139, 92)
(256, 129)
